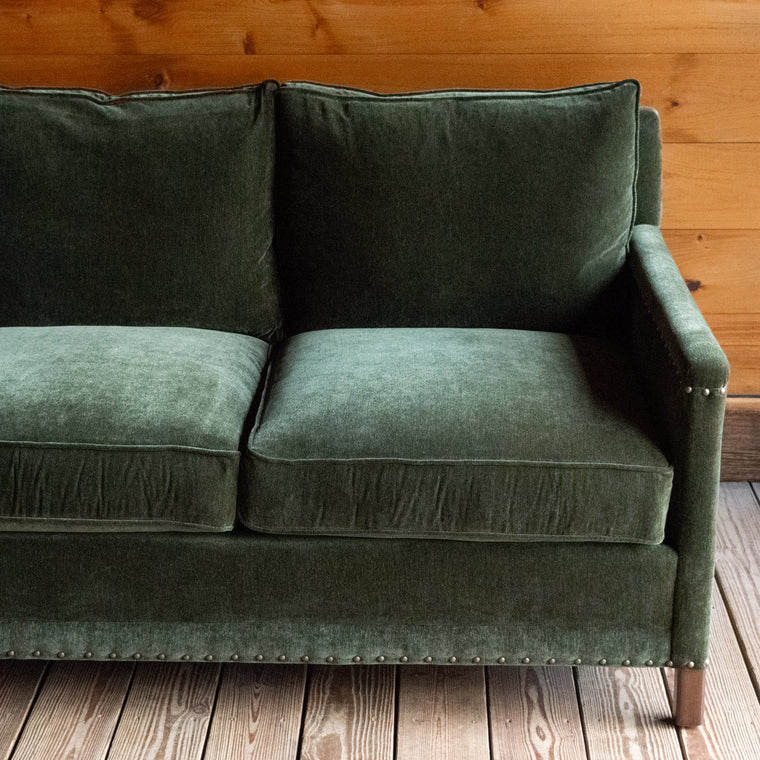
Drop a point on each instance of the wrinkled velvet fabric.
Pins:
(145, 209)
(676, 350)
(247, 594)
(123, 428)
(455, 433)
(468, 208)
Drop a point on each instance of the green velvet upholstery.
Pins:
(686, 372)
(465, 433)
(145, 209)
(488, 341)
(649, 179)
(467, 209)
(248, 594)
(123, 428)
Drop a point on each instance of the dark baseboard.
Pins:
(741, 439)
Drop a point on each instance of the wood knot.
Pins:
(148, 10)
(693, 285)
(249, 44)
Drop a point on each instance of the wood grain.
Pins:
(442, 713)
(737, 559)
(167, 712)
(534, 713)
(626, 714)
(721, 267)
(19, 681)
(76, 712)
(711, 186)
(378, 26)
(732, 714)
(258, 713)
(689, 90)
(740, 458)
(350, 713)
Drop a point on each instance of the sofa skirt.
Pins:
(249, 597)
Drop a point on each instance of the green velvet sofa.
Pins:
(299, 373)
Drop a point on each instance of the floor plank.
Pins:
(626, 714)
(258, 713)
(732, 714)
(76, 712)
(442, 713)
(737, 560)
(350, 713)
(167, 712)
(19, 681)
(534, 714)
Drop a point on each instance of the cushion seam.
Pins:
(62, 445)
(100, 521)
(286, 529)
(468, 462)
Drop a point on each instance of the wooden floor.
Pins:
(72, 710)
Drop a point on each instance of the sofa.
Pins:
(302, 373)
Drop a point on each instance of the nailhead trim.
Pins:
(452, 659)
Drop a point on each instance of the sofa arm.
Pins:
(685, 372)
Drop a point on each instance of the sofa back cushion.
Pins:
(458, 208)
(145, 209)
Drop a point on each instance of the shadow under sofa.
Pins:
(299, 373)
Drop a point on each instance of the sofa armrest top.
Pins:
(696, 355)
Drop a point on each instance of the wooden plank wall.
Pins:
(698, 62)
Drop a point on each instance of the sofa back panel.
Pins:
(649, 180)
(144, 209)
(465, 208)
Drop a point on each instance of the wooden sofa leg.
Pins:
(689, 698)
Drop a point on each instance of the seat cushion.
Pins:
(151, 208)
(410, 210)
(457, 433)
(123, 428)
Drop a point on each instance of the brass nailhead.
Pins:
(330, 659)
(209, 657)
(282, 658)
(650, 663)
(602, 661)
(526, 660)
(61, 654)
(669, 664)
(690, 664)
(452, 659)
(381, 659)
(259, 657)
(404, 659)
(428, 659)
(161, 656)
(136, 656)
(577, 662)
(357, 659)
(36, 653)
(688, 389)
(88, 655)
(11, 653)
(626, 663)
(476, 660)
(113, 655)
(551, 661)
(501, 660)
(185, 657)
(237, 656)
(305, 658)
